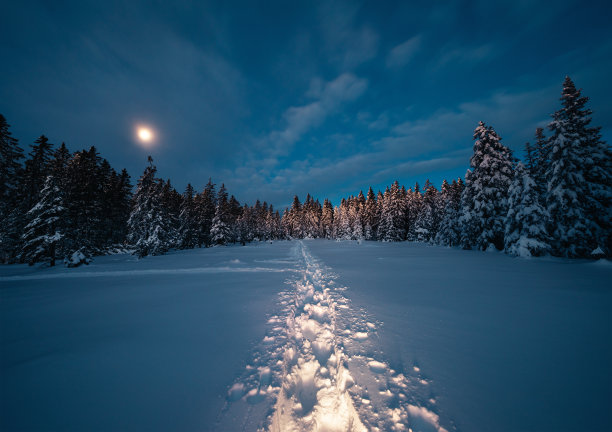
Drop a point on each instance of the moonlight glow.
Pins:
(145, 136)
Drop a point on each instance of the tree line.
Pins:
(73, 206)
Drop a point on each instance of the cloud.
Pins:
(300, 119)
(346, 44)
(466, 54)
(401, 54)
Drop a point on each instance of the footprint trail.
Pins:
(320, 368)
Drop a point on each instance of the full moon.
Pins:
(145, 135)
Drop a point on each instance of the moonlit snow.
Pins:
(308, 335)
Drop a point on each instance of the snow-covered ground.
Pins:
(310, 335)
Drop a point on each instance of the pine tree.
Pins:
(147, 228)
(206, 206)
(414, 202)
(370, 218)
(327, 219)
(526, 219)
(579, 177)
(392, 224)
(188, 222)
(426, 224)
(220, 230)
(37, 168)
(42, 235)
(449, 233)
(488, 189)
(10, 174)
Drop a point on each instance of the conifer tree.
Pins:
(188, 222)
(449, 233)
(220, 231)
(426, 224)
(370, 219)
(10, 173)
(327, 219)
(488, 188)
(42, 234)
(147, 228)
(37, 168)
(526, 219)
(206, 207)
(579, 177)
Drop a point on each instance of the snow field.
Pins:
(321, 373)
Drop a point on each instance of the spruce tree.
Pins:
(188, 222)
(10, 174)
(42, 234)
(327, 219)
(526, 219)
(220, 231)
(147, 228)
(579, 178)
(206, 206)
(488, 189)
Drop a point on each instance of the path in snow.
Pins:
(320, 368)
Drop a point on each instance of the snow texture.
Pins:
(310, 335)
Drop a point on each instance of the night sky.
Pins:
(279, 98)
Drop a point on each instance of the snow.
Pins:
(308, 335)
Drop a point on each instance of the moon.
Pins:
(145, 134)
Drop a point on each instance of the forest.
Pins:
(58, 206)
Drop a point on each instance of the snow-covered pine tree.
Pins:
(468, 225)
(343, 228)
(426, 224)
(188, 223)
(37, 168)
(579, 178)
(449, 232)
(526, 219)
(414, 201)
(11, 172)
(171, 209)
(370, 219)
(327, 219)
(393, 215)
(220, 231)
(42, 234)
(147, 227)
(84, 203)
(235, 211)
(488, 187)
(206, 206)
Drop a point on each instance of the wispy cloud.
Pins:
(401, 54)
(466, 54)
(346, 43)
(329, 97)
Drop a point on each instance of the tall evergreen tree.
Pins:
(188, 222)
(579, 192)
(526, 219)
(147, 228)
(327, 219)
(220, 231)
(41, 233)
(488, 188)
(206, 207)
(10, 174)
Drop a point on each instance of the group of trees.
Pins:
(59, 205)
(558, 201)
(162, 219)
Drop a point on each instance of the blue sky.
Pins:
(278, 98)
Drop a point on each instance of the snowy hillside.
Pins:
(308, 335)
